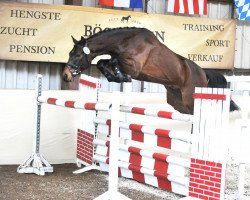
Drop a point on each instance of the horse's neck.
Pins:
(98, 45)
(103, 43)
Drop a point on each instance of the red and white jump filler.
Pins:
(112, 144)
(206, 165)
(208, 156)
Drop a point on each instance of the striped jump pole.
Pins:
(75, 104)
(150, 136)
(161, 170)
(157, 113)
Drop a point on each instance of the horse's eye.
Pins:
(78, 55)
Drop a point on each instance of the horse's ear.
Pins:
(74, 40)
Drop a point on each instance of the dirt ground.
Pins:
(62, 184)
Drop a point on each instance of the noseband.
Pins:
(77, 69)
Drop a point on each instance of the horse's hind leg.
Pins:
(174, 98)
(194, 77)
(187, 98)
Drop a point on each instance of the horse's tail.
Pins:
(217, 80)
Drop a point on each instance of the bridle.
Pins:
(77, 69)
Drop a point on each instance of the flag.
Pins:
(243, 9)
(122, 3)
(188, 6)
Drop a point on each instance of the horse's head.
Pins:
(78, 59)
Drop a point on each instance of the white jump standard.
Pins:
(36, 163)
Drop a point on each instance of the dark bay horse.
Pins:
(137, 53)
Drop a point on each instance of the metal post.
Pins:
(36, 163)
(36, 144)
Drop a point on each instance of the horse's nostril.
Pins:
(65, 78)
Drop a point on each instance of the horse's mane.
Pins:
(108, 30)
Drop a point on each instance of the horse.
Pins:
(136, 53)
(125, 18)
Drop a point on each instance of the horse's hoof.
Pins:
(127, 79)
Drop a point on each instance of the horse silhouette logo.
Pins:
(125, 18)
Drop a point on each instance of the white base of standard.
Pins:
(112, 196)
(87, 168)
(37, 164)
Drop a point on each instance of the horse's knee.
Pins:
(99, 65)
(102, 64)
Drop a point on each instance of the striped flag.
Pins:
(188, 6)
(122, 3)
(243, 9)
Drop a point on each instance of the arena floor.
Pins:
(64, 185)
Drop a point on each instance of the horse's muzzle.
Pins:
(67, 75)
(66, 79)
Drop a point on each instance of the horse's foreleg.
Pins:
(121, 76)
(103, 66)
(110, 69)
(118, 73)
